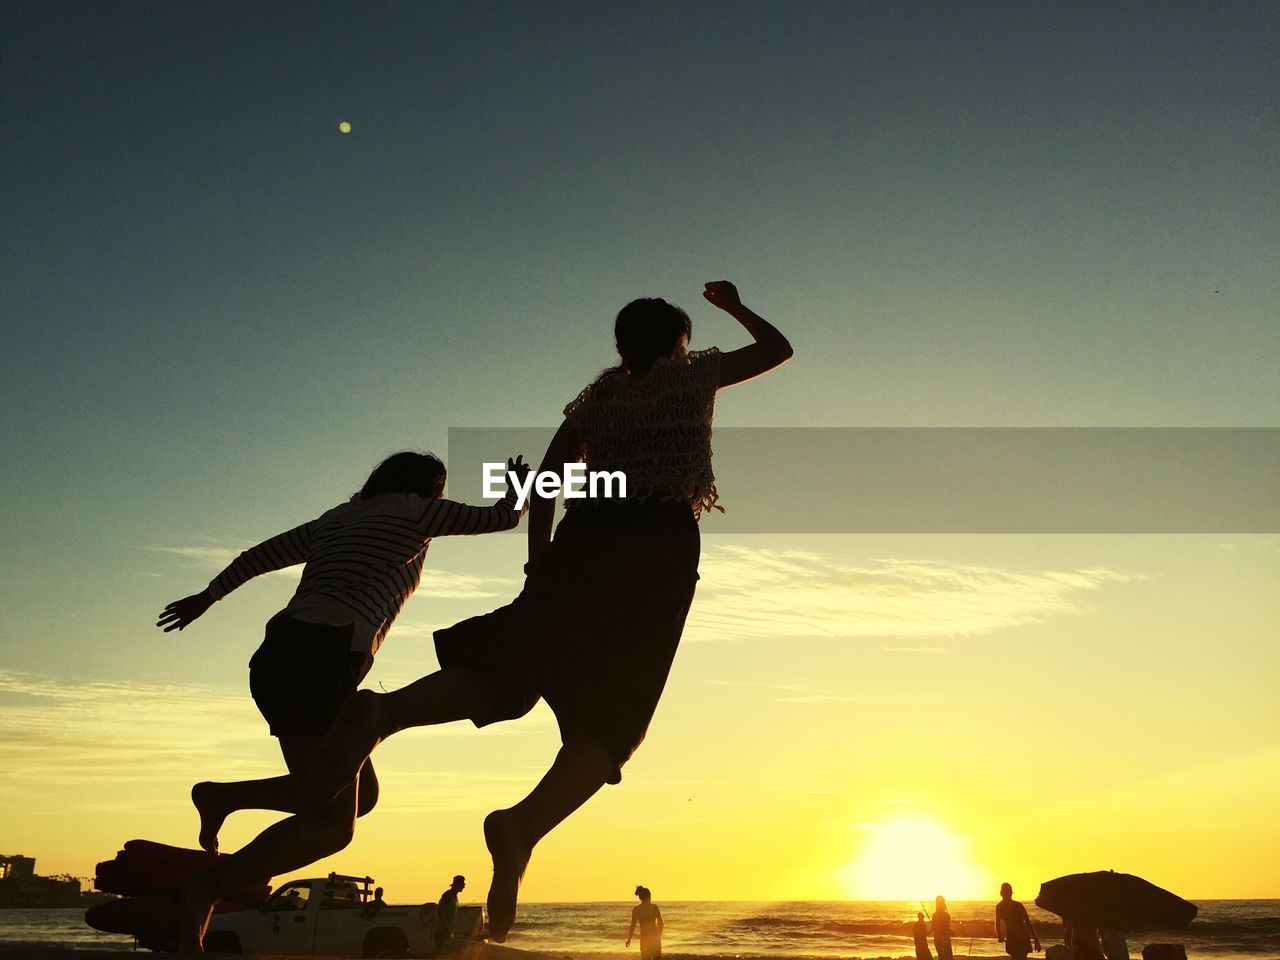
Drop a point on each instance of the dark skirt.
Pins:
(302, 675)
(596, 626)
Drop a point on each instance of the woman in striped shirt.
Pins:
(363, 559)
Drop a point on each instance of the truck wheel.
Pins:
(386, 942)
(222, 941)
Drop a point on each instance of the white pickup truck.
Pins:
(334, 917)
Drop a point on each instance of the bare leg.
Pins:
(368, 718)
(309, 835)
(216, 801)
(580, 769)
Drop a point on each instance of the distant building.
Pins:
(16, 868)
(21, 886)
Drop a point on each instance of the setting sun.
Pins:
(912, 857)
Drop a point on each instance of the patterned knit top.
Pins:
(655, 429)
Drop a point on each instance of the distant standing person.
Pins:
(1114, 945)
(447, 911)
(648, 917)
(1085, 937)
(374, 906)
(941, 928)
(920, 931)
(1013, 926)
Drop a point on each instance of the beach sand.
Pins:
(468, 950)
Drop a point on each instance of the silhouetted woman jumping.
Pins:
(597, 624)
(363, 560)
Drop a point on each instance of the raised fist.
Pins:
(722, 294)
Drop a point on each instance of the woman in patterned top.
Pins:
(597, 624)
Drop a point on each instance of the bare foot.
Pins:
(194, 899)
(354, 735)
(510, 857)
(204, 796)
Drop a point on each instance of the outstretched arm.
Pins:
(443, 518)
(283, 550)
(565, 447)
(771, 348)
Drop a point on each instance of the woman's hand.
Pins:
(722, 294)
(519, 468)
(181, 613)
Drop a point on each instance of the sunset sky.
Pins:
(220, 311)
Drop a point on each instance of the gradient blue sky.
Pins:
(219, 311)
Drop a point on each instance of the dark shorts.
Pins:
(596, 627)
(302, 675)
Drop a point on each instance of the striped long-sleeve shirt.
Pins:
(363, 558)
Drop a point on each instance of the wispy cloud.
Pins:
(460, 586)
(792, 691)
(119, 741)
(748, 593)
(213, 555)
(791, 685)
(416, 790)
(1257, 543)
(65, 733)
(917, 649)
(752, 593)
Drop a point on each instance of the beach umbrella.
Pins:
(1115, 901)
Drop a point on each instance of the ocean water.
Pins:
(860, 929)
(1224, 930)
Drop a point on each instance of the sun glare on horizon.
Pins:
(912, 857)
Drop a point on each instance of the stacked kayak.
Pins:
(145, 874)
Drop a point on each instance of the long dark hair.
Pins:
(406, 472)
(645, 330)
